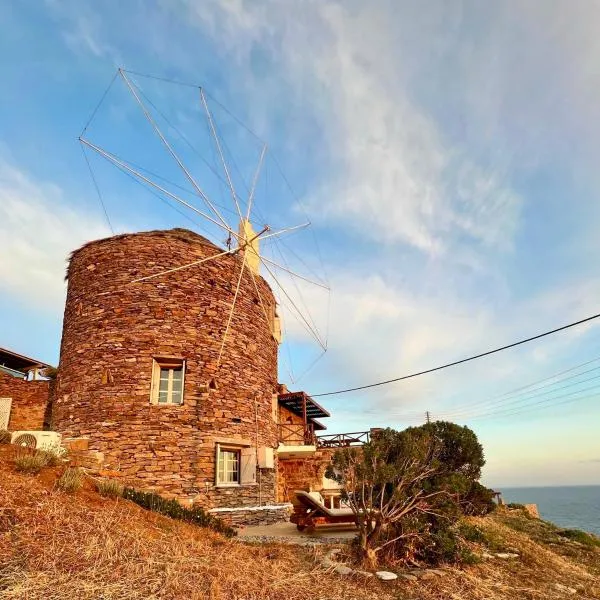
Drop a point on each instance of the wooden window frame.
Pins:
(171, 363)
(246, 465)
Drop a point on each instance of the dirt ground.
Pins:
(55, 546)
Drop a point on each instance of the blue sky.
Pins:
(446, 154)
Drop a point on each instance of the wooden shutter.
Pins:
(5, 404)
(248, 465)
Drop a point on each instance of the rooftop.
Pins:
(18, 363)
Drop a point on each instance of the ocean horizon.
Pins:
(571, 507)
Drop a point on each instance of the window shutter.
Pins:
(248, 465)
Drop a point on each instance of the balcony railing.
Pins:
(296, 434)
(343, 440)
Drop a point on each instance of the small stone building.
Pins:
(24, 396)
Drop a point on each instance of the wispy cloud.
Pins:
(40, 230)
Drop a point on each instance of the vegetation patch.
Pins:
(33, 461)
(71, 480)
(576, 535)
(171, 508)
(109, 488)
(5, 436)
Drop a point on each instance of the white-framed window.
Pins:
(228, 466)
(235, 465)
(168, 375)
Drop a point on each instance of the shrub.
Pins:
(516, 506)
(71, 480)
(582, 537)
(471, 533)
(109, 488)
(32, 461)
(5, 436)
(172, 508)
(409, 488)
(478, 501)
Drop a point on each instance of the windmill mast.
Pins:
(248, 242)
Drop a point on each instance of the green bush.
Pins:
(32, 461)
(478, 501)
(172, 508)
(109, 488)
(516, 506)
(71, 480)
(471, 533)
(582, 537)
(5, 436)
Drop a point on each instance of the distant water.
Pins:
(570, 507)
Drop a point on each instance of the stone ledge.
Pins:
(253, 515)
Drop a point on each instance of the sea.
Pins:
(576, 507)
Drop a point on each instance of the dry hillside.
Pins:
(55, 546)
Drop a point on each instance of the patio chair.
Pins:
(310, 511)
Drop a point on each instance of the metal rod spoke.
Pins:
(237, 290)
(282, 231)
(125, 166)
(314, 333)
(218, 144)
(272, 262)
(170, 149)
(192, 264)
(255, 180)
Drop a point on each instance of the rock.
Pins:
(506, 555)
(436, 572)
(386, 575)
(565, 588)
(342, 570)
(487, 555)
(408, 577)
(426, 574)
(364, 574)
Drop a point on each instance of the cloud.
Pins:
(392, 176)
(40, 231)
(83, 30)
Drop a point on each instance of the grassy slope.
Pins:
(83, 546)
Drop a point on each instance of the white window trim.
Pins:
(165, 363)
(243, 450)
(230, 448)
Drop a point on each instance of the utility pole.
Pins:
(427, 417)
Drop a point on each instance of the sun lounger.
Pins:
(310, 511)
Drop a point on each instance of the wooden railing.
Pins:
(296, 434)
(343, 440)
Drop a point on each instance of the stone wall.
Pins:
(112, 330)
(302, 474)
(29, 402)
(254, 515)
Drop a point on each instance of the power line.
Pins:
(461, 361)
(520, 396)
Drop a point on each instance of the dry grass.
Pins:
(71, 480)
(109, 488)
(33, 461)
(5, 436)
(88, 547)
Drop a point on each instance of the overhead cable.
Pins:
(461, 361)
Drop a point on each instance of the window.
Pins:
(236, 464)
(167, 381)
(228, 466)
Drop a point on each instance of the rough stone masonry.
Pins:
(113, 329)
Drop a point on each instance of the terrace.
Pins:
(298, 424)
